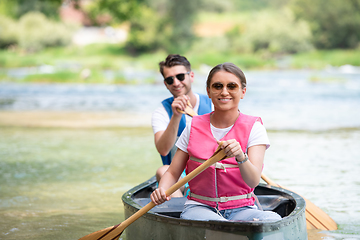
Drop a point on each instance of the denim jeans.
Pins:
(247, 213)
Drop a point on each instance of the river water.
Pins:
(63, 183)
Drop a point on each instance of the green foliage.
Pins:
(244, 61)
(36, 32)
(267, 32)
(7, 32)
(8, 8)
(334, 24)
(148, 32)
(121, 10)
(216, 5)
(274, 32)
(154, 25)
(18, 8)
(256, 5)
(240, 6)
(323, 58)
(145, 23)
(181, 16)
(59, 77)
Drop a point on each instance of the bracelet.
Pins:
(241, 162)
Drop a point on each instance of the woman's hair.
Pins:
(174, 60)
(230, 68)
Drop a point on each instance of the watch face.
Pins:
(245, 159)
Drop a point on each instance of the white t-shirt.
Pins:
(258, 136)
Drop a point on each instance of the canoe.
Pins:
(163, 221)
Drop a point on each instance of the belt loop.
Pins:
(220, 165)
(223, 199)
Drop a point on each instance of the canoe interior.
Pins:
(164, 222)
(270, 200)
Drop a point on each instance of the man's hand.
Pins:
(179, 103)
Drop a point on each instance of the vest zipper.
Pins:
(217, 195)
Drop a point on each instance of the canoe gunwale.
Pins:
(295, 216)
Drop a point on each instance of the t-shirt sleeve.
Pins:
(258, 136)
(183, 141)
(159, 119)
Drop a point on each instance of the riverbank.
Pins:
(109, 63)
(72, 119)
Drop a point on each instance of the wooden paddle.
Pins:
(114, 232)
(315, 217)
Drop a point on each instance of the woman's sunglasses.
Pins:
(231, 87)
(180, 77)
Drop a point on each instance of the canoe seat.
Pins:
(174, 207)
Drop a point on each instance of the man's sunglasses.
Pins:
(231, 87)
(180, 77)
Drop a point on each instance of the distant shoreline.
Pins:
(73, 119)
(106, 119)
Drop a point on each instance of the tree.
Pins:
(121, 10)
(181, 15)
(153, 24)
(334, 24)
(18, 8)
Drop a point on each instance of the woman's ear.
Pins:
(208, 92)
(243, 91)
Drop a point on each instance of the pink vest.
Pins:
(214, 182)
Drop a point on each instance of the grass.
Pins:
(246, 61)
(323, 58)
(70, 61)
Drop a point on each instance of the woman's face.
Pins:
(225, 91)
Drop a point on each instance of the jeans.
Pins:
(247, 213)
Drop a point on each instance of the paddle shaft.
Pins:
(114, 232)
(315, 217)
(217, 157)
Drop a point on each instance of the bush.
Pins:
(273, 32)
(147, 32)
(334, 24)
(36, 32)
(7, 32)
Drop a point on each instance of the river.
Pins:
(65, 181)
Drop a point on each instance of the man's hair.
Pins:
(230, 68)
(174, 60)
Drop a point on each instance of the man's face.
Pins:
(178, 88)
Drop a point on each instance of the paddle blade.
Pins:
(315, 217)
(188, 110)
(110, 233)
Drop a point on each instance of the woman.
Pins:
(225, 191)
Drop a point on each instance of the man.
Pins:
(167, 122)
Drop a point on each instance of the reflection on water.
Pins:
(322, 167)
(64, 183)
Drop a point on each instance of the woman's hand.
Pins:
(159, 196)
(232, 148)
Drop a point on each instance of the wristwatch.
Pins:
(245, 159)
